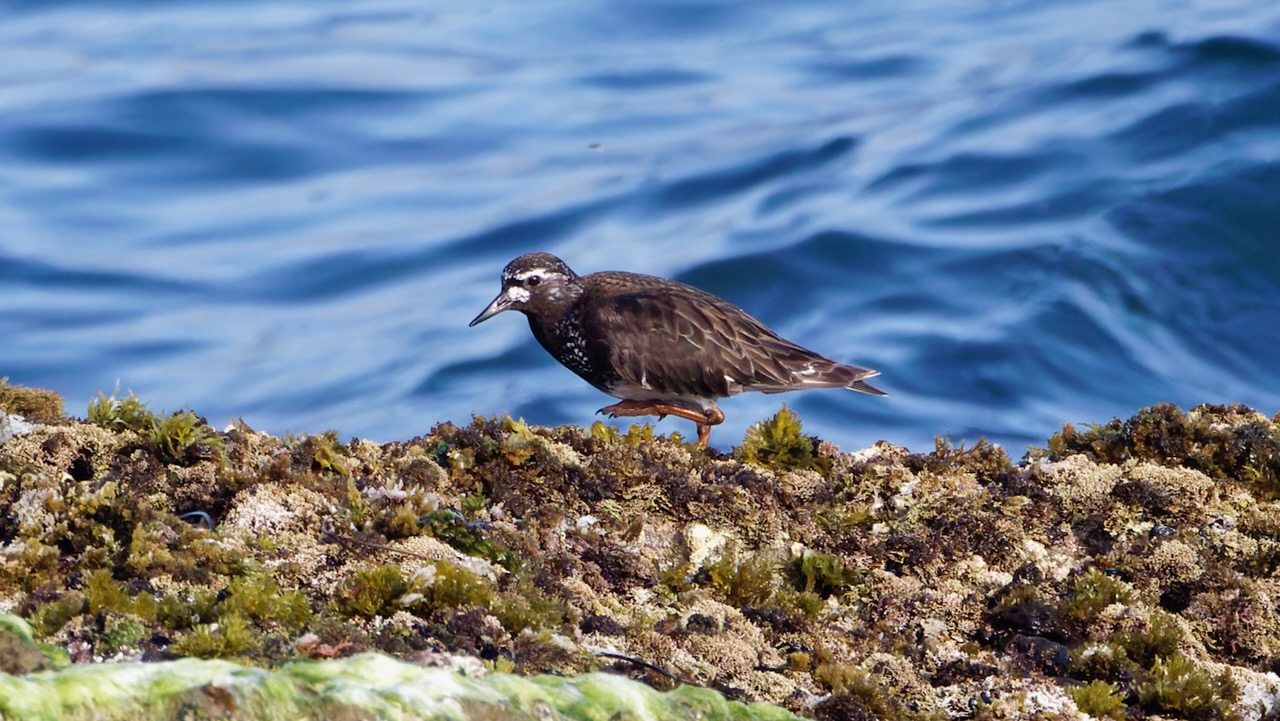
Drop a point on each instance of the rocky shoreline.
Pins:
(1126, 570)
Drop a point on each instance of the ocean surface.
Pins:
(1023, 212)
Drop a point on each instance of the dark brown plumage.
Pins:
(663, 347)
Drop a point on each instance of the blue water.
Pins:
(1022, 212)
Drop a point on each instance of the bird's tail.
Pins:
(827, 374)
(852, 377)
(862, 386)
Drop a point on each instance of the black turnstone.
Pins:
(663, 347)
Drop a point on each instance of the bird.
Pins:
(660, 346)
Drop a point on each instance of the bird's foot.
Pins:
(633, 408)
(704, 419)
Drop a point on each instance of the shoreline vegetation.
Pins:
(1129, 569)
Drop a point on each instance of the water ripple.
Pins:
(1022, 213)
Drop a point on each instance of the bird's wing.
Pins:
(699, 345)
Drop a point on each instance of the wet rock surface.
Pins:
(1127, 569)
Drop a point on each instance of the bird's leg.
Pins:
(704, 419)
(712, 417)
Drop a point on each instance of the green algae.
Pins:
(104, 594)
(122, 633)
(743, 579)
(524, 605)
(327, 453)
(372, 592)
(231, 637)
(455, 529)
(181, 438)
(48, 618)
(185, 438)
(637, 434)
(114, 412)
(822, 573)
(857, 694)
(446, 586)
(1177, 685)
(778, 443)
(1100, 699)
(364, 686)
(259, 597)
(1090, 593)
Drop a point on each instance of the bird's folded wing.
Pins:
(696, 345)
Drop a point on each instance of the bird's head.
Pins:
(532, 283)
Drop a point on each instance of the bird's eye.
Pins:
(534, 280)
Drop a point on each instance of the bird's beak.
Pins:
(499, 304)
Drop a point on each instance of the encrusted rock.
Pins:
(1129, 568)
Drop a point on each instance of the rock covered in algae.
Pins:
(368, 685)
(1129, 569)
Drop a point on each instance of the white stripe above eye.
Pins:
(527, 274)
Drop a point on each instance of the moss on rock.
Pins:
(34, 404)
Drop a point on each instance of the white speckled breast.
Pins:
(572, 350)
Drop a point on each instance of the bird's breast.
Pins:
(571, 347)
